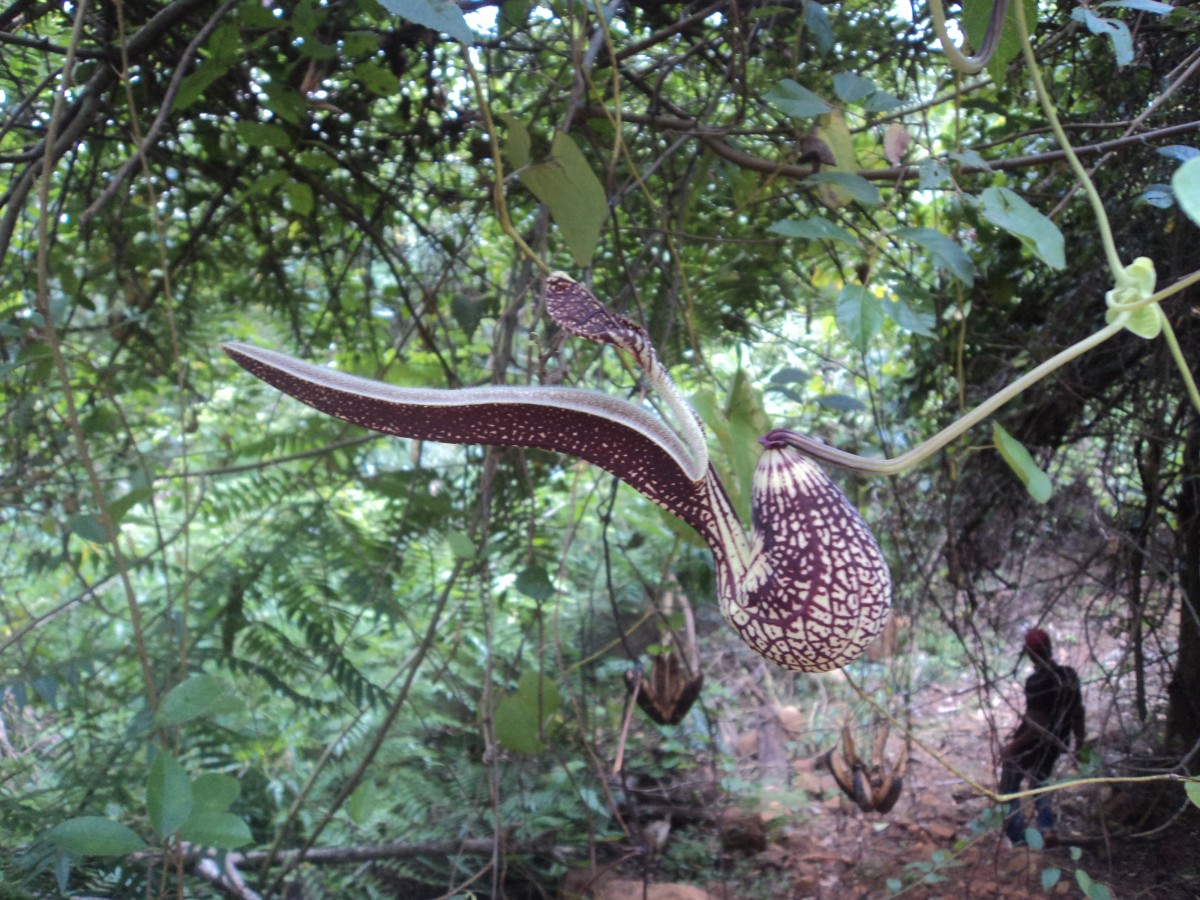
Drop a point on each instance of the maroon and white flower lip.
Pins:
(809, 588)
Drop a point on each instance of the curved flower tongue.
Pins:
(577, 311)
(670, 467)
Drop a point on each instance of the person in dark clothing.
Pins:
(1053, 712)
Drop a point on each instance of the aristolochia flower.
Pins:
(808, 588)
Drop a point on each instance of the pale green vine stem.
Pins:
(1060, 135)
(498, 165)
(966, 65)
(920, 453)
(1168, 333)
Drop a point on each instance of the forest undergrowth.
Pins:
(783, 829)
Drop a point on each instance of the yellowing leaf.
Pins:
(895, 142)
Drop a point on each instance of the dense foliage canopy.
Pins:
(231, 622)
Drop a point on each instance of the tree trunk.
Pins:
(1183, 694)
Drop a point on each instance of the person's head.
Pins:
(1037, 645)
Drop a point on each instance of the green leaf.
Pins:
(376, 79)
(539, 690)
(285, 101)
(796, 100)
(945, 252)
(168, 794)
(932, 173)
(1093, 890)
(214, 792)
(835, 132)
(859, 315)
(361, 803)
(95, 836)
(534, 583)
(745, 421)
(841, 403)
(573, 194)
(818, 24)
(1009, 212)
(971, 158)
(814, 228)
(852, 88)
(517, 726)
(461, 544)
(857, 186)
(911, 320)
(1158, 195)
(263, 134)
(1186, 184)
(1192, 789)
(118, 508)
(467, 312)
(513, 14)
(1179, 152)
(222, 830)
(1034, 839)
(1117, 31)
(89, 527)
(300, 197)
(1050, 878)
(517, 147)
(520, 716)
(189, 700)
(1150, 6)
(1141, 6)
(440, 15)
(1014, 453)
(226, 41)
(882, 101)
(192, 87)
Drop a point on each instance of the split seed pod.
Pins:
(808, 588)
